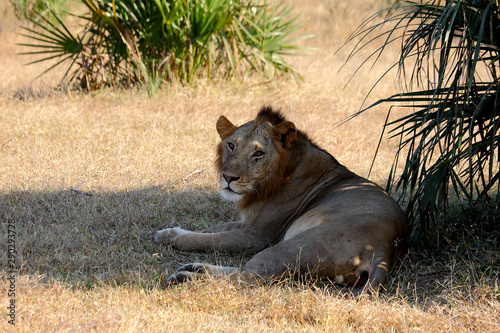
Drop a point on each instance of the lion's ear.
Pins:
(285, 133)
(225, 128)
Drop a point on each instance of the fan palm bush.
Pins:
(125, 42)
(449, 140)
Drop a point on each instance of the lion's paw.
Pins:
(188, 272)
(169, 235)
(162, 235)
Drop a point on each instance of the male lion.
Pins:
(301, 211)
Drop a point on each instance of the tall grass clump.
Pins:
(449, 141)
(126, 42)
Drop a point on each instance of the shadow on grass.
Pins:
(106, 238)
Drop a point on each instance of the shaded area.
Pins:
(106, 238)
(84, 238)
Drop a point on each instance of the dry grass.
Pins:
(221, 307)
(88, 263)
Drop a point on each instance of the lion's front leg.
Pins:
(168, 235)
(223, 227)
(234, 241)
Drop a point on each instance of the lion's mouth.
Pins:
(230, 194)
(231, 190)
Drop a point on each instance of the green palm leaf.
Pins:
(451, 138)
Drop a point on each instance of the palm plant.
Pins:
(125, 41)
(450, 57)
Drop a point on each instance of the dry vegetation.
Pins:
(89, 178)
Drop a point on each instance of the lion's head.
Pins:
(253, 160)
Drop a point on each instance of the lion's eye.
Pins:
(230, 146)
(258, 154)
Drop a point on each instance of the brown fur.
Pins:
(300, 209)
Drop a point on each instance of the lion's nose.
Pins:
(230, 178)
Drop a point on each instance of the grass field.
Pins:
(87, 179)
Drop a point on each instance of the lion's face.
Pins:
(251, 158)
(248, 157)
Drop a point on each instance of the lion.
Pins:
(302, 212)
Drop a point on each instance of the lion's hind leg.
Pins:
(196, 271)
(308, 254)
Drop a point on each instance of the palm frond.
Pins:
(451, 138)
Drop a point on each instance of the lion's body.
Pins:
(300, 209)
